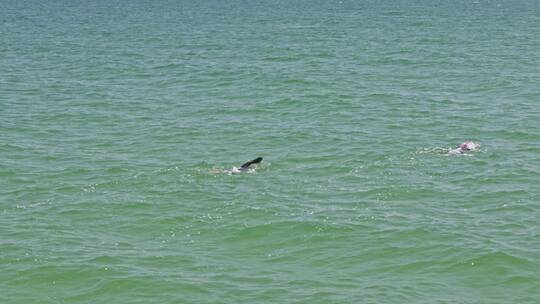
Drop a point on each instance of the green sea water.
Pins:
(117, 119)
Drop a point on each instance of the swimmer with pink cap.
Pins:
(465, 147)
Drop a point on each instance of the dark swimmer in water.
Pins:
(247, 167)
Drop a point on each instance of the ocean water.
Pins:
(117, 119)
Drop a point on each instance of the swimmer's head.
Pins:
(468, 146)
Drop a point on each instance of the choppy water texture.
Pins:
(117, 117)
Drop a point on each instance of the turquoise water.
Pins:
(117, 119)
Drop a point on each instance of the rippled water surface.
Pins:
(117, 119)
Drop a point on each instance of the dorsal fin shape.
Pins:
(251, 162)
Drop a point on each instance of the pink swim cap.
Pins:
(466, 146)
